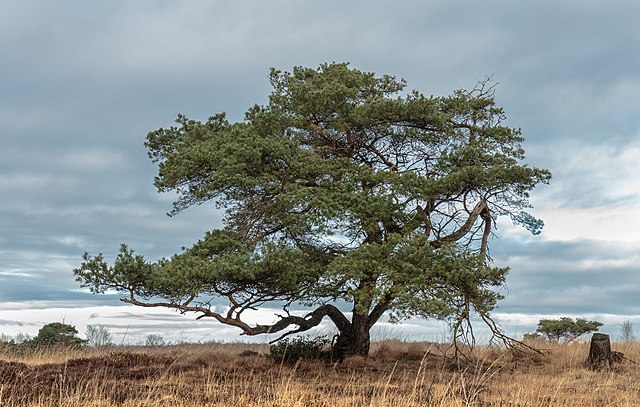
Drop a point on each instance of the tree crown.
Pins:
(566, 329)
(57, 334)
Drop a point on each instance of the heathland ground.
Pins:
(397, 374)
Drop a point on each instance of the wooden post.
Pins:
(600, 355)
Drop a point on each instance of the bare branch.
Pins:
(464, 229)
(304, 323)
(486, 217)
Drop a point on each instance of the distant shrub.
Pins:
(14, 344)
(301, 347)
(56, 334)
(626, 332)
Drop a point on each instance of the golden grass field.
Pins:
(396, 374)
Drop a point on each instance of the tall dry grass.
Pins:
(397, 374)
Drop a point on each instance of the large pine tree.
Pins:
(344, 188)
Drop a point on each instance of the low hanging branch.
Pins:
(304, 323)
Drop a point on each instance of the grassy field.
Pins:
(396, 374)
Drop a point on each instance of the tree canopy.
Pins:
(57, 334)
(566, 329)
(344, 187)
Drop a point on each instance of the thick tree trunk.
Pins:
(353, 341)
(601, 357)
(351, 344)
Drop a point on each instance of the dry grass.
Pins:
(397, 374)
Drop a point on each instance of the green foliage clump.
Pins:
(14, 344)
(566, 329)
(56, 334)
(302, 347)
(51, 335)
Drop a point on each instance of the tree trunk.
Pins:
(351, 344)
(354, 340)
(600, 355)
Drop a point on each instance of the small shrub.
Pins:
(55, 334)
(302, 347)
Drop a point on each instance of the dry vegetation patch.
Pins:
(397, 374)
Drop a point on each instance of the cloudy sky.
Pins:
(82, 82)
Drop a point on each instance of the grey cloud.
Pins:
(88, 301)
(569, 277)
(22, 289)
(599, 174)
(82, 83)
(13, 322)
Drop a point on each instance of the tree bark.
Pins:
(601, 357)
(351, 343)
(600, 352)
(355, 340)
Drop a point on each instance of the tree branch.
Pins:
(486, 216)
(464, 229)
(380, 308)
(304, 323)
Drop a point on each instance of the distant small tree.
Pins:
(98, 335)
(154, 340)
(57, 334)
(626, 332)
(566, 329)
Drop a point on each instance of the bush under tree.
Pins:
(343, 188)
(301, 347)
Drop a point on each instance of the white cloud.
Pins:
(129, 324)
(70, 240)
(613, 224)
(43, 209)
(595, 193)
(17, 181)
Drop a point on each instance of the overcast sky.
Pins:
(82, 82)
